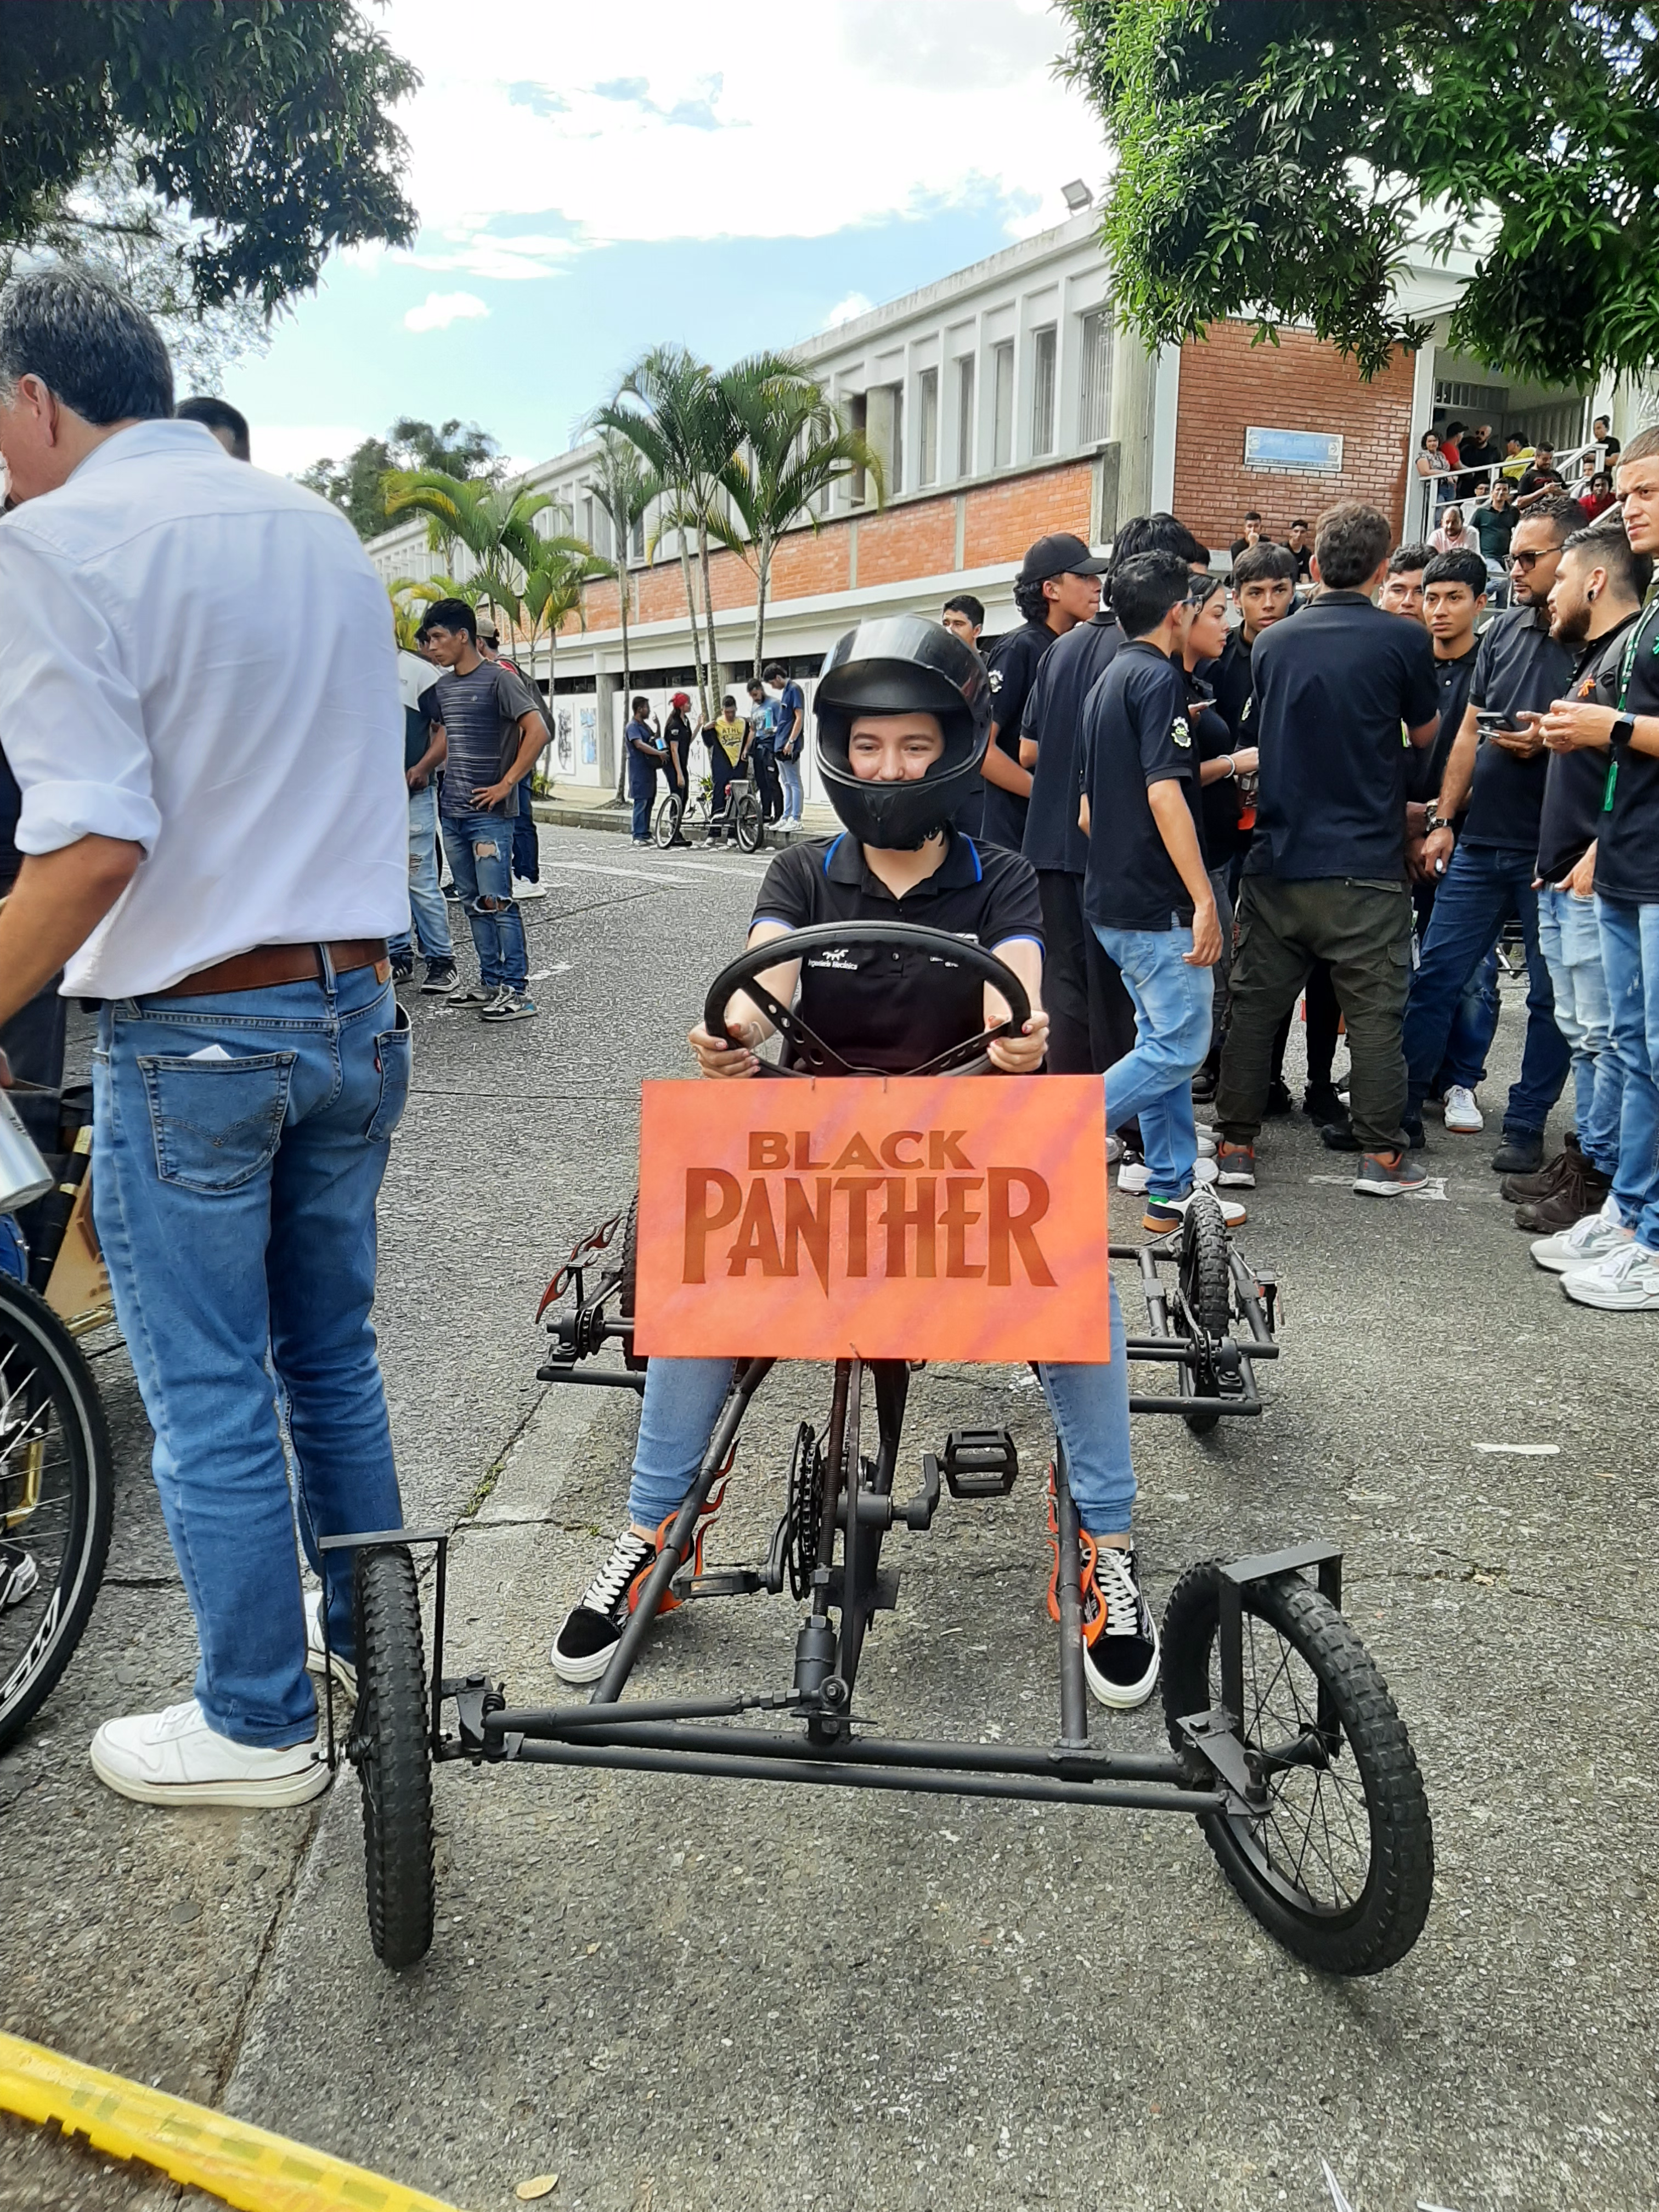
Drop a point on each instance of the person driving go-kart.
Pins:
(903, 711)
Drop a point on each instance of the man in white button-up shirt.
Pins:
(199, 698)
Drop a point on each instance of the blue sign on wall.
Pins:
(1317, 452)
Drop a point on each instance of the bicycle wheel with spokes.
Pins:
(748, 824)
(666, 826)
(57, 1497)
(1338, 1863)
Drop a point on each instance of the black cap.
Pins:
(1060, 555)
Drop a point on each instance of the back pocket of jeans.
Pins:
(394, 1059)
(216, 1123)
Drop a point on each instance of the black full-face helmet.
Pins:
(901, 664)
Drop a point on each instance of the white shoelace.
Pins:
(1118, 1594)
(629, 1555)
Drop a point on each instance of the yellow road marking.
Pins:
(243, 2166)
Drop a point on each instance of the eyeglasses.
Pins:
(1527, 562)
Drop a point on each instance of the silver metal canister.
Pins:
(24, 1176)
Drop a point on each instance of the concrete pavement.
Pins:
(680, 1994)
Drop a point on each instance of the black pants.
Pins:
(33, 1042)
(1091, 1017)
(767, 788)
(1324, 1022)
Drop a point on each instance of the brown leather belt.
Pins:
(279, 963)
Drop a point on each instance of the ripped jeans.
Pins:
(480, 850)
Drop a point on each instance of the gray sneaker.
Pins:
(510, 1007)
(1388, 1174)
(469, 997)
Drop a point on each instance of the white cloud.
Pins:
(849, 309)
(287, 448)
(736, 119)
(440, 309)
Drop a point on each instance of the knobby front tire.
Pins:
(391, 1745)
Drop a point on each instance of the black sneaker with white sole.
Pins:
(439, 979)
(467, 998)
(592, 1628)
(1120, 1637)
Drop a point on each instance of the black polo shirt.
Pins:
(1425, 771)
(1627, 857)
(11, 809)
(1053, 722)
(1519, 669)
(1575, 783)
(1228, 676)
(1212, 738)
(1013, 662)
(1332, 688)
(877, 1006)
(1136, 731)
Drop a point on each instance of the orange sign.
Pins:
(905, 1217)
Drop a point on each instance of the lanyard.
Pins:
(1633, 647)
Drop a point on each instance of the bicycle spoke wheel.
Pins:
(1337, 1862)
(56, 1494)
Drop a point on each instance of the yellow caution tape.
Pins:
(242, 2165)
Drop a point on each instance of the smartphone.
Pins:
(1491, 720)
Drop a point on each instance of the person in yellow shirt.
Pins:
(728, 739)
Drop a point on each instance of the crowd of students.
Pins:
(767, 745)
(1239, 796)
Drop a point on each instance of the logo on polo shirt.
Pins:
(1179, 731)
(994, 676)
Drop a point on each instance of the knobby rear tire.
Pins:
(1206, 1279)
(1380, 1915)
(393, 1753)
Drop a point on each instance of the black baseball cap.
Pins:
(1060, 555)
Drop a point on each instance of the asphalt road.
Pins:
(684, 1995)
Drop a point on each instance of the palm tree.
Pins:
(493, 525)
(794, 445)
(552, 591)
(670, 410)
(622, 489)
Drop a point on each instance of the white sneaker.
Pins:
(1624, 1281)
(173, 1758)
(345, 1673)
(1463, 1117)
(1207, 1144)
(523, 891)
(1114, 1150)
(1585, 1242)
(1163, 1214)
(1134, 1175)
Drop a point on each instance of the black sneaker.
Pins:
(403, 971)
(441, 977)
(1338, 1136)
(1321, 1103)
(1279, 1099)
(1388, 1174)
(592, 1628)
(1521, 1152)
(1120, 1637)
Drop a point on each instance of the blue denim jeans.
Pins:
(480, 849)
(1630, 959)
(1571, 940)
(1091, 1407)
(643, 790)
(1484, 886)
(1474, 1024)
(1173, 1005)
(234, 1200)
(789, 771)
(429, 909)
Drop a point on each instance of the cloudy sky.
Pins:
(730, 173)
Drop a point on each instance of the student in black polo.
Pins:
(1497, 785)
(902, 711)
(1057, 587)
(1326, 876)
(1146, 890)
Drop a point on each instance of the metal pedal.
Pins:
(723, 1582)
(980, 1463)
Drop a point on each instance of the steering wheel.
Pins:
(809, 1055)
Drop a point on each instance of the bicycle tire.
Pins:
(1207, 1282)
(665, 826)
(635, 1361)
(1377, 1918)
(748, 826)
(392, 1752)
(46, 1389)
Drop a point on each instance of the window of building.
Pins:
(927, 427)
(1042, 391)
(858, 418)
(1094, 379)
(636, 540)
(1002, 404)
(883, 426)
(965, 416)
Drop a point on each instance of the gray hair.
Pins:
(92, 348)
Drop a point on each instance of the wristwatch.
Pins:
(1623, 730)
(1433, 819)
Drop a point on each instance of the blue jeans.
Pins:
(643, 790)
(480, 849)
(1091, 1407)
(1571, 940)
(1173, 1005)
(792, 795)
(1630, 959)
(428, 911)
(1474, 1024)
(1482, 888)
(234, 1200)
